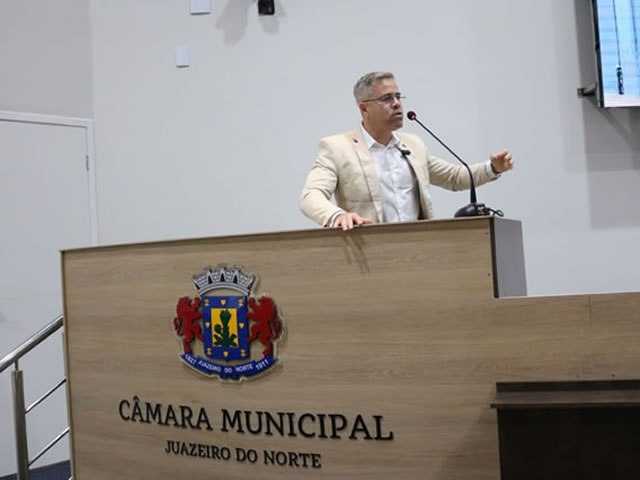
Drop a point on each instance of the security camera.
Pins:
(266, 7)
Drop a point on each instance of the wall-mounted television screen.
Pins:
(617, 45)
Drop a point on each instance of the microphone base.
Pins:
(473, 210)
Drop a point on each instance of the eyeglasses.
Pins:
(387, 99)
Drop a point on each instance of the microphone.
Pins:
(474, 209)
(403, 151)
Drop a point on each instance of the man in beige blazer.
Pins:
(377, 175)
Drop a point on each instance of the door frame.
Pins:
(77, 122)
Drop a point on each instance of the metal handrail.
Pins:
(19, 411)
(28, 345)
(46, 395)
(48, 447)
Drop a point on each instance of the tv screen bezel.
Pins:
(599, 91)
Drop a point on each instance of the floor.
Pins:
(57, 471)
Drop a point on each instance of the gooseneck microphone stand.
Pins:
(474, 209)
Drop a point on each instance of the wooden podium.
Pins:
(387, 345)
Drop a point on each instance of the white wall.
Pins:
(45, 49)
(224, 145)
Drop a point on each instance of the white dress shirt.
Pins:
(398, 184)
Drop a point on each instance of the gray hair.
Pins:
(362, 88)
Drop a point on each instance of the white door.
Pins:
(45, 206)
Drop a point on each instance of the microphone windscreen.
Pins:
(411, 115)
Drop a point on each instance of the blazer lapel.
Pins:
(368, 168)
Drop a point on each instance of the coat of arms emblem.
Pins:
(228, 319)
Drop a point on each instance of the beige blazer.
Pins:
(344, 169)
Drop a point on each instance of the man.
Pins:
(377, 175)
